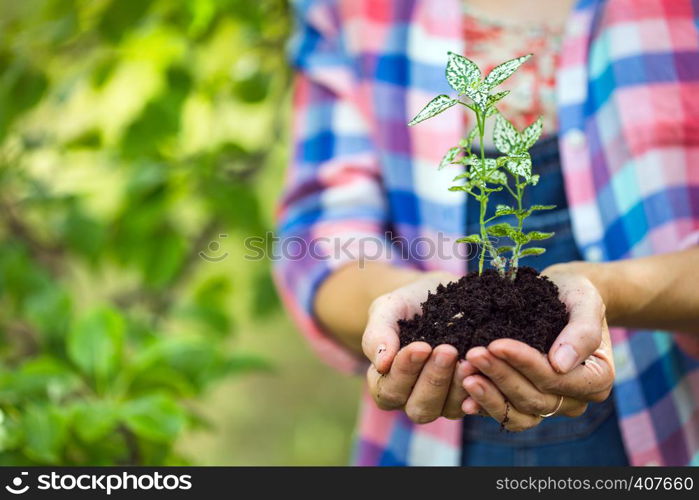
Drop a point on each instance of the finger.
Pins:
(484, 393)
(518, 390)
(380, 341)
(589, 382)
(583, 333)
(391, 391)
(470, 407)
(457, 393)
(427, 400)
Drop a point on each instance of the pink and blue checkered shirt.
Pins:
(628, 98)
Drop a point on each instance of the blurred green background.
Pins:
(140, 143)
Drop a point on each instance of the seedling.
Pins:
(511, 171)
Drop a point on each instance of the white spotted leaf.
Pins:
(520, 165)
(505, 136)
(434, 107)
(503, 71)
(532, 133)
(450, 157)
(462, 73)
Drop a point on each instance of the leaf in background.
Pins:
(462, 73)
(238, 364)
(434, 107)
(49, 309)
(503, 71)
(155, 417)
(40, 378)
(45, 431)
(160, 118)
(266, 299)
(83, 233)
(120, 16)
(253, 88)
(21, 87)
(95, 344)
(93, 420)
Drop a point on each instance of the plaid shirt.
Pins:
(629, 135)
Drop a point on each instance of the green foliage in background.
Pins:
(131, 137)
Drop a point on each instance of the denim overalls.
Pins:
(591, 439)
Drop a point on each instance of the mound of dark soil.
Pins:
(476, 310)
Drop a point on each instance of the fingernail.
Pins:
(468, 407)
(474, 388)
(418, 357)
(483, 361)
(442, 359)
(565, 357)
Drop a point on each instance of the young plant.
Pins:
(512, 171)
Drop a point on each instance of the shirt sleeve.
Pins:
(333, 209)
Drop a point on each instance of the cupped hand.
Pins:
(518, 384)
(426, 383)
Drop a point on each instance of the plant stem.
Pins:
(520, 224)
(483, 198)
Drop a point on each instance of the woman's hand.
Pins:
(426, 383)
(520, 384)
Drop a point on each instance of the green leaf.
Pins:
(487, 171)
(501, 229)
(505, 136)
(495, 98)
(534, 180)
(532, 133)
(94, 420)
(462, 73)
(502, 210)
(534, 208)
(532, 251)
(95, 343)
(155, 417)
(505, 249)
(503, 71)
(520, 165)
(480, 99)
(434, 107)
(538, 235)
(45, 431)
(449, 158)
(472, 238)
(467, 143)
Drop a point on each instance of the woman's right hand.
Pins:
(426, 383)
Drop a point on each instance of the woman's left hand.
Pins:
(518, 385)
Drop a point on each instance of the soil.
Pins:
(476, 310)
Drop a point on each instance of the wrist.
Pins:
(603, 277)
